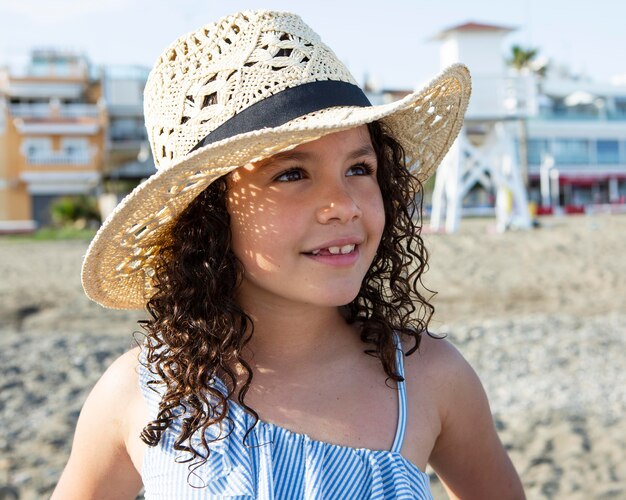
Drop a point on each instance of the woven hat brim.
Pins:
(116, 271)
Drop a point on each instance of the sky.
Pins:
(389, 40)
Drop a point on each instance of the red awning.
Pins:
(584, 180)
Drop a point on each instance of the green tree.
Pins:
(522, 58)
(77, 211)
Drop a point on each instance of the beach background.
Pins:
(539, 314)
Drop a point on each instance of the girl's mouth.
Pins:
(343, 250)
(342, 256)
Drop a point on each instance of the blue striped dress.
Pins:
(276, 463)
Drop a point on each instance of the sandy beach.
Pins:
(540, 315)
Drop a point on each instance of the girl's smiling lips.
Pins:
(341, 252)
(339, 243)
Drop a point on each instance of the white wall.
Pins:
(481, 52)
(495, 93)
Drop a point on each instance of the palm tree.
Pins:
(522, 58)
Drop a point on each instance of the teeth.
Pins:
(336, 250)
(343, 250)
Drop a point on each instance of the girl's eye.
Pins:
(291, 175)
(361, 169)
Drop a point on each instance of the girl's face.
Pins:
(306, 223)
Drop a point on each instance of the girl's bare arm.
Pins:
(99, 466)
(468, 455)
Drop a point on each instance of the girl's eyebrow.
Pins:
(365, 150)
(288, 156)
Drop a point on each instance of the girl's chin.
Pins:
(336, 300)
(316, 295)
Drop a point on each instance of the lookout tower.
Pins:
(485, 152)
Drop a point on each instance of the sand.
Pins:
(540, 315)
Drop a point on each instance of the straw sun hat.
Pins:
(236, 91)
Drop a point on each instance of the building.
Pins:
(576, 144)
(128, 159)
(52, 136)
(569, 131)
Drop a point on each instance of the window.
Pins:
(607, 151)
(571, 151)
(71, 146)
(127, 129)
(36, 149)
(537, 149)
(75, 151)
(620, 106)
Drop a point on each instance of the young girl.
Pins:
(278, 253)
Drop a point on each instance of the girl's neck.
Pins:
(296, 337)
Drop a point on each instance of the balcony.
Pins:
(60, 158)
(49, 111)
(584, 106)
(40, 69)
(559, 114)
(56, 183)
(51, 127)
(32, 89)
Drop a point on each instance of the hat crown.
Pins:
(206, 77)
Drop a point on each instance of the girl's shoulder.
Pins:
(116, 406)
(436, 358)
(467, 454)
(118, 390)
(123, 373)
(438, 373)
(119, 384)
(122, 388)
(101, 463)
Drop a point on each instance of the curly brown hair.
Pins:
(197, 331)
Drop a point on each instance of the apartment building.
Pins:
(128, 158)
(53, 123)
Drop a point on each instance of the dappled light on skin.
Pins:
(284, 207)
(265, 263)
(245, 203)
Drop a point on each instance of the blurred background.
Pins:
(525, 220)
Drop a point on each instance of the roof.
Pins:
(471, 26)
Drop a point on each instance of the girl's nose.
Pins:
(337, 205)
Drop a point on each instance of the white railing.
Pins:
(60, 158)
(45, 110)
(73, 71)
(40, 110)
(79, 110)
(17, 226)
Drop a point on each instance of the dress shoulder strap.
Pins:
(151, 392)
(402, 408)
